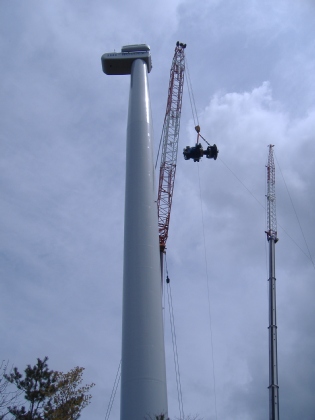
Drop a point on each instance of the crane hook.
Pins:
(197, 151)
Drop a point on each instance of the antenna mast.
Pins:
(272, 240)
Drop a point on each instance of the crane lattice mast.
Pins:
(272, 240)
(169, 139)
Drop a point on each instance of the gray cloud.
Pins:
(62, 139)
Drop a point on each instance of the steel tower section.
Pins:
(143, 371)
(272, 240)
(170, 137)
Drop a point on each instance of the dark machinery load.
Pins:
(197, 152)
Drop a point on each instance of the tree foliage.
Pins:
(51, 395)
(7, 395)
(69, 399)
(38, 386)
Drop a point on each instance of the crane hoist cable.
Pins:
(191, 96)
(197, 151)
(174, 342)
(113, 394)
(209, 298)
(169, 144)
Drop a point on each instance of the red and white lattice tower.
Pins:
(170, 137)
(272, 240)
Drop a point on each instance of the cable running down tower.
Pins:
(272, 240)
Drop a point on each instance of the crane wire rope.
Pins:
(174, 342)
(158, 153)
(264, 207)
(191, 95)
(195, 118)
(196, 123)
(163, 296)
(296, 215)
(113, 394)
(208, 296)
(248, 190)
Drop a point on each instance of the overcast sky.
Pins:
(62, 177)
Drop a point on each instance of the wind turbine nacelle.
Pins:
(120, 63)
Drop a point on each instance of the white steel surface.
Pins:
(143, 377)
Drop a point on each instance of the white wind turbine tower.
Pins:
(143, 372)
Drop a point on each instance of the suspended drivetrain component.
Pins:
(197, 152)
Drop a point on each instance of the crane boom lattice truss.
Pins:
(170, 137)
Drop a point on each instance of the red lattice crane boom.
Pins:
(169, 139)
